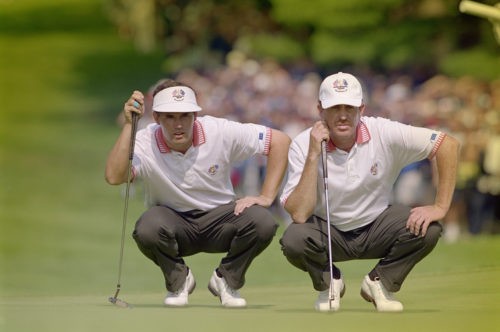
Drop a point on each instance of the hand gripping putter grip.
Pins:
(114, 299)
(325, 181)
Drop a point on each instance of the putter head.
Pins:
(331, 296)
(120, 303)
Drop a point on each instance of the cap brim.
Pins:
(176, 108)
(341, 101)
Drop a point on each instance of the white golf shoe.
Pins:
(382, 299)
(323, 301)
(228, 297)
(179, 298)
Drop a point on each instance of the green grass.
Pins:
(64, 78)
(455, 289)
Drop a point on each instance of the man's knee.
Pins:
(150, 227)
(433, 234)
(294, 245)
(263, 222)
(292, 242)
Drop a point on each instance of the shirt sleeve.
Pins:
(411, 143)
(247, 139)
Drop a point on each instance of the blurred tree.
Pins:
(135, 20)
(192, 33)
(385, 35)
(428, 35)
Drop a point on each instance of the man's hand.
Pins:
(420, 218)
(319, 133)
(135, 104)
(248, 201)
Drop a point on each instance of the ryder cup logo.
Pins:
(213, 169)
(178, 94)
(340, 85)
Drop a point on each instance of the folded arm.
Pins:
(446, 165)
(277, 161)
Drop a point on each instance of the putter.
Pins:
(331, 296)
(114, 299)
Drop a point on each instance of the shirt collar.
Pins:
(362, 136)
(198, 137)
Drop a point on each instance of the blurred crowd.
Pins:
(285, 98)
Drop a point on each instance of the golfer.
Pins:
(185, 161)
(364, 157)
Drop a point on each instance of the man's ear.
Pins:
(320, 108)
(156, 116)
(362, 109)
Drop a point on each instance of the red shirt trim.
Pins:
(198, 137)
(362, 136)
(269, 138)
(437, 145)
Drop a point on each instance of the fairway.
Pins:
(455, 289)
(65, 76)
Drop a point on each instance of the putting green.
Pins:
(455, 289)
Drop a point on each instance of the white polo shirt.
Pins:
(200, 178)
(360, 181)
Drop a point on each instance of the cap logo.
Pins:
(340, 85)
(178, 94)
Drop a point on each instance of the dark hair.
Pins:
(168, 83)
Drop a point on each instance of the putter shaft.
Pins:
(331, 295)
(114, 299)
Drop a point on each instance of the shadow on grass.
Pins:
(208, 306)
(357, 311)
(406, 311)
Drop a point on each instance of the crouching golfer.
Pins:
(364, 157)
(185, 163)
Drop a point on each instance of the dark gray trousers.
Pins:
(165, 236)
(306, 247)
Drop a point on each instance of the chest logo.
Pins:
(212, 170)
(374, 169)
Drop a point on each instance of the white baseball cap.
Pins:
(176, 99)
(340, 89)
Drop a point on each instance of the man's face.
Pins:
(342, 121)
(177, 129)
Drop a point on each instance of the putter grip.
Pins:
(323, 159)
(135, 119)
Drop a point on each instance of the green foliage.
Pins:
(482, 64)
(199, 57)
(335, 15)
(278, 46)
(328, 48)
(390, 35)
(28, 16)
(386, 35)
